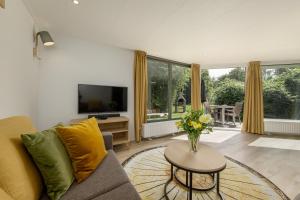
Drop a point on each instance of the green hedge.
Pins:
(228, 92)
(278, 103)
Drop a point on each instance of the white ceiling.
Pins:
(203, 31)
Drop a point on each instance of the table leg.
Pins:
(218, 186)
(218, 183)
(167, 183)
(187, 178)
(187, 182)
(172, 172)
(191, 186)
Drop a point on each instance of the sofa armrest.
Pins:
(108, 140)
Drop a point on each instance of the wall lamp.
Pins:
(45, 38)
(76, 2)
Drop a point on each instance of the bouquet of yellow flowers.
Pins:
(195, 123)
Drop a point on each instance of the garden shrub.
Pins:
(229, 92)
(277, 101)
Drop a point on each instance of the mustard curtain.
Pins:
(140, 93)
(2, 3)
(196, 87)
(253, 120)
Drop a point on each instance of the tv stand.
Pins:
(104, 116)
(118, 126)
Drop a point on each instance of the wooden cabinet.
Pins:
(118, 126)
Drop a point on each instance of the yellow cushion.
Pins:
(19, 177)
(85, 146)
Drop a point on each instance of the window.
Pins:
(281, 90)
(169, 89)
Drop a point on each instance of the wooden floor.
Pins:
(282, 167)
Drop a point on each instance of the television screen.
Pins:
(98, 99)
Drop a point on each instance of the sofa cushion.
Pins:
(124, 192)
(50, 156)
(85, 146)
(19, 177)
(106, 177)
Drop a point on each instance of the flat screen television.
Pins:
(101, 99)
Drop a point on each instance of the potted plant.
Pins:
(195, 123)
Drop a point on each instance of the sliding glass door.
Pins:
(224, 94)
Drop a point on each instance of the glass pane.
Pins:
(158, 77)
(181, 90)
(224, 94)
(281, 91)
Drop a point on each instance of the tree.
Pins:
(292, 85)
(181, 77)
(235, 74)
(292, 82)
(281, 70)
(159, 82)
(209, 84)
(229, 92)
(282, 93)
(157, 86)
(277, 102)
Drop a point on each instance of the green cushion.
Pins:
(51, 158)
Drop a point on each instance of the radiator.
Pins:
(282, 126)
(156, 129)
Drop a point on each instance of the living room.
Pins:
(206, 100)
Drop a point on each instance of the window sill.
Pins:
(163, 120)
(281, 120)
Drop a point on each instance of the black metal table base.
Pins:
(189, 183)
(207, 188)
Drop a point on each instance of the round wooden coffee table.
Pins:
(206, 161)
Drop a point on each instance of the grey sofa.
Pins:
(108, 182)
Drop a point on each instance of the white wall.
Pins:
(18, 68)
(72, 61)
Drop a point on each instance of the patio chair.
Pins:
(212, 112)
(235, 112)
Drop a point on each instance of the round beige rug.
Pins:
(148, 171)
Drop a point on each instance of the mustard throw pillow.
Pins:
(85, 146)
